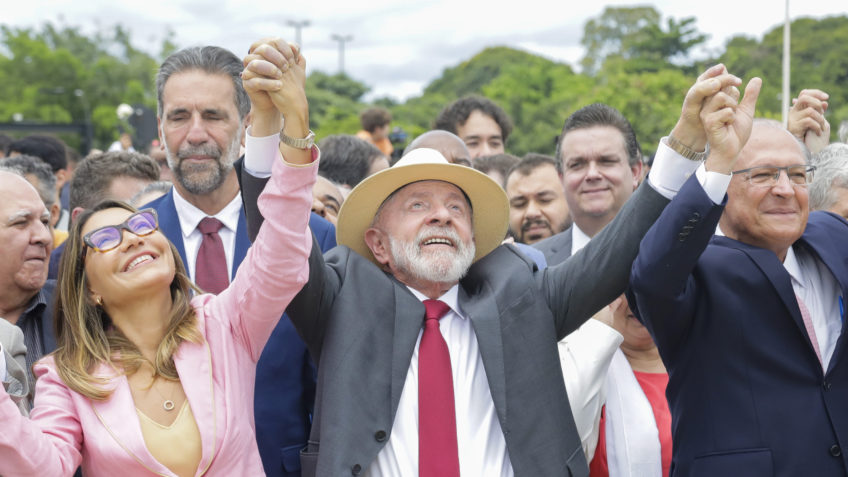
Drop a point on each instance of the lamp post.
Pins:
(785, 95)
(298, 26)
(342, 39)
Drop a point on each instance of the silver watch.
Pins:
(303, 143)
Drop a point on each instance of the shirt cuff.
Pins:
(260, 154)
(714, 183)
(670, 170)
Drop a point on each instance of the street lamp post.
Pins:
(298, 26)
(342, 39)
(785, 95)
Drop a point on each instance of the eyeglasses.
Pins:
(767, 176)
(141, 223)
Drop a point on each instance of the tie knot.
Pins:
(209, 225)
(435, 309)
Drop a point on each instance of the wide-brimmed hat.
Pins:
(488, 200)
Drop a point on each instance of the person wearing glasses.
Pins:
(749, 321)
(147, 378)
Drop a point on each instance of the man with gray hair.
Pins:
(203, 111)
(829, 189)
(40, 175)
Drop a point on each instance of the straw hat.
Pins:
(488, 199)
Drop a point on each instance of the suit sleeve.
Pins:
(593, 277)
(49, 443)
(662, 289)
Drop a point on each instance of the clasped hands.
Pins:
(274, 77)
(713, 114)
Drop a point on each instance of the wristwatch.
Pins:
(303, 143)
(685, 150)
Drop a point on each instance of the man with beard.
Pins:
(421, 241)
(537, 207)
(203, 109)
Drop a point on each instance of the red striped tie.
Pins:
(438, 455)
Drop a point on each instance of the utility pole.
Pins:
(342, 39)
(785, 95)
(298, 26)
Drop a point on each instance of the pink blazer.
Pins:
(68, 429)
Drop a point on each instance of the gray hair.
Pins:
(31, 165)
(831, 173)
(209, 59)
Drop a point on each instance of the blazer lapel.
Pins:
(194, 366)
(779, 278)
(242, 243)
(169, 224)
(118, 416)
(484, 316)
(409, 318)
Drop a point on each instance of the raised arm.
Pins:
(275, 267)
(806, 119)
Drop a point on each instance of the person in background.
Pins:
(482, 125)
(376, 123)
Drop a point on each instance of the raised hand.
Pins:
(727, 125)
(689, 129)
(274, 78)
(806, 119)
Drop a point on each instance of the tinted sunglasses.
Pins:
(142, 223)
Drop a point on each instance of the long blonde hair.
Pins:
(85, 335)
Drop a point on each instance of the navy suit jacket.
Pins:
(285, 375)
(746, 390)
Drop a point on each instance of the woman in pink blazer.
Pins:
(147, 380)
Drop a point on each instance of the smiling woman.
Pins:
(150, 377)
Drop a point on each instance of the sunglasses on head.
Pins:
(142, 223)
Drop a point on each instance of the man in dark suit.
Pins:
(600, 164)
(749, 324)
(203, 109)
(422, 232)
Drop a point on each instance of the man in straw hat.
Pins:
(436, 345)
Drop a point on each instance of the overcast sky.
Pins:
(397, 47)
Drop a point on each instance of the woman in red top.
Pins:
(635, 424)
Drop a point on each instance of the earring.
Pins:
(99, 301)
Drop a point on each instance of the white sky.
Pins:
(397, 47)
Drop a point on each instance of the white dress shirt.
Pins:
(190, 216)
(482, 447)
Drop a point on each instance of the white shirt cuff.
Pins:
(260, 154)
(714, 183)
(670, 170)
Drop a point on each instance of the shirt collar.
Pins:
(793, 267)
(190, 216)
(579, 239)
(450, 297)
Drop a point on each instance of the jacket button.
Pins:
(356, 469)
(682, 236)
(696, 215)
(835, 451)
(380, 436)
(826, 385)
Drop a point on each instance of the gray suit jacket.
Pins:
(367, 324)
(14, 350)
(557, 248)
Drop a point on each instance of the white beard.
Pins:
(442, 266)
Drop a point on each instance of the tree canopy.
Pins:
(635, 60)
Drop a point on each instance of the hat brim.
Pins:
(490, 207)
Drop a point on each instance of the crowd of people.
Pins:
(260, 301)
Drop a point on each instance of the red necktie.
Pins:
(210, 270)
(438, 455)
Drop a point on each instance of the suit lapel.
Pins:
(194, 366)
(118, 416)
(484, 315)
(242, 243)
(169, 224)
(409, 318)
